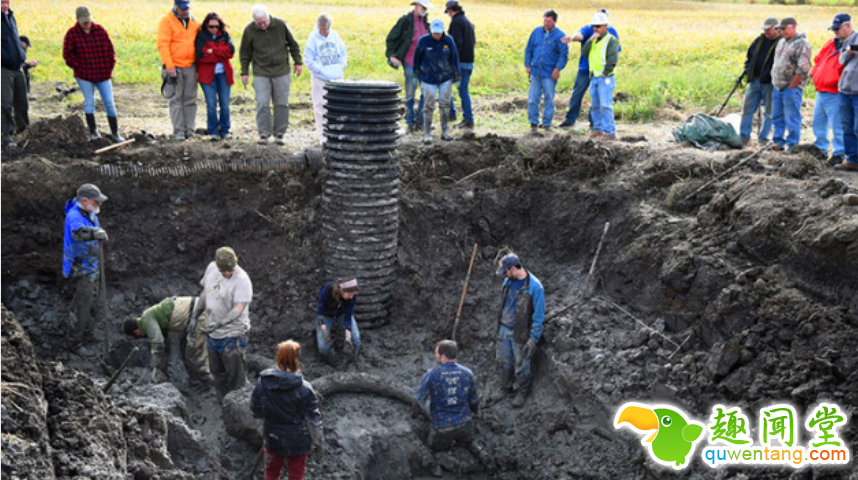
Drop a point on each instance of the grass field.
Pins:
(683, 55)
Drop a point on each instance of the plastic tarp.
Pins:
(707, 132)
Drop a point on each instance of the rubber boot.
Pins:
(522, 389)
(484, 458)
(93, 127)
(507, 379)
(427, 128)
(328, 359)
(445, 126)
(355, 354)
(115, 137)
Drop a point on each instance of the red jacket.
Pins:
(90, 56)
(222, 51)
(827, 68)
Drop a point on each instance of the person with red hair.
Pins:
(292, 423)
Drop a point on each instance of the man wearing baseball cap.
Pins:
(81, 243)
(227, 293)
(176, 35)
(436, 63)
(790, 73)
(758, 72)
(848, 87)
(826, 75)
(520, 325)
(401, 47)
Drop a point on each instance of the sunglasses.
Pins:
(213, 26)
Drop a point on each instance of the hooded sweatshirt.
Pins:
(792, 57)
(326, 57)
(848, 83)
(288, 406)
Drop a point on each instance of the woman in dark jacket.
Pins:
(290, 412)
(214, 72)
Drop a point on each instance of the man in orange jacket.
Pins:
(826, 74)
(176, 34)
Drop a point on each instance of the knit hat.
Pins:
(225, 259)
(82, 14)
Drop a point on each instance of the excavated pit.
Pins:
(753, 278)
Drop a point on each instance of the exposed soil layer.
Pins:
(742, 294)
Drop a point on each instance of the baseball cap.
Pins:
(788, 21)
(88, 190)
(509, 260)
(82, 14)
(769, 23)
(183, 4)
(839, 20)
(437, 26)
(451, 4)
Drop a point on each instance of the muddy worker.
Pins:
(826, 75)
(289, 408)
(88, 51)
(544, 58)
(179, 316)
(454, 401)
(848, 87)
(462, 31)
(521, 316)
(436, 63)
(758, 72)
(228, 291)
(81, 243)
(326, 57)
(401, 47)
(15, 105)
(603, 53)
(582, 80)
(336, 305)
(176, 35)
(267, 43)
(790, 73)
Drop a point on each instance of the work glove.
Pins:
(348, 336)
(416, 409)
(319, 452)
(326, 333)
(158, 376)
(210, 326)
(529, 349)
(475, 409)
(99, 234)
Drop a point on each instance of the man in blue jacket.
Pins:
(454, 400)
(14, 83)
(545, 56)
(81, 243)
(436, 64)
(521, 316)
(582, 81)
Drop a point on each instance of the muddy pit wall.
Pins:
(749, 311)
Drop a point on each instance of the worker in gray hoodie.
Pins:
(848, 87)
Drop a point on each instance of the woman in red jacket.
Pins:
(88, 51)
(214, 72)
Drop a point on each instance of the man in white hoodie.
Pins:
(325, 55)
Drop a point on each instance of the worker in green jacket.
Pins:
(184, 317)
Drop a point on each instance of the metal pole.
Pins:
(738, 82)
(102, 293)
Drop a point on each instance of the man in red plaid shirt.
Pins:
(88, 51)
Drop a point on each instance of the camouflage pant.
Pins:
(195, 355)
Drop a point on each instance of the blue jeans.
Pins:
(539, 87)
(510, 353)
(602, 104)
(105, 89)
(826, 115)
(849, 120)
(786, 116)
(411, 83)
(216, 93)
(465, 70)
(326, 349)
(755, 95)
(582, 84)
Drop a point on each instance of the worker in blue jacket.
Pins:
(545, 56)
(521, 316)
(336, 304)
(436, 63)
(81, 242)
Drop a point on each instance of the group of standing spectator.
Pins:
(778, 67)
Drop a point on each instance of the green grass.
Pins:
(682, 55)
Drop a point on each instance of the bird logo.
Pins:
(673, 437)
